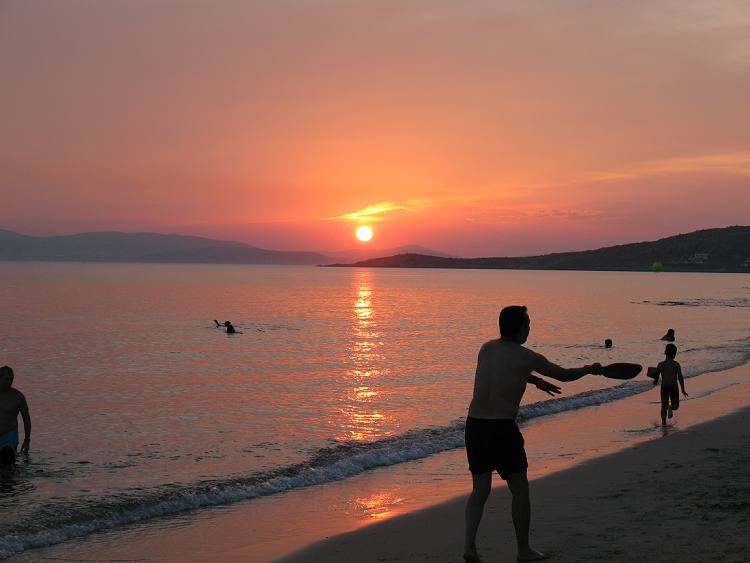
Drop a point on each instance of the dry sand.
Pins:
(682, 497)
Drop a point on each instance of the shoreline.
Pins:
(351, 510)
(682, 497)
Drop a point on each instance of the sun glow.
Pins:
(364, 233)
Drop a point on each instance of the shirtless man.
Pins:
(12, 403)
(493, 440)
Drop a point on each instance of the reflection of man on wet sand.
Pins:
(493, 440)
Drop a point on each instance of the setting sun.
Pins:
(364, 233)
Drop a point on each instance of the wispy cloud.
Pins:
(377, 212)
(481, 207)
(737, 163)
(492, 212)
(461, 199)
(532, 200)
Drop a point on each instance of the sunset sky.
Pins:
(475, 127)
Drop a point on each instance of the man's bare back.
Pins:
(504, 366)
(12, 403)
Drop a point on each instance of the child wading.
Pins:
(671, 374)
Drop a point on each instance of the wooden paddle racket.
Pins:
(622, 370)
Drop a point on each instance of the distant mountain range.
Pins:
(145, 247)
(155, 247)
(711, 250)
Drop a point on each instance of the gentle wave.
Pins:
(733, 302)
(50, 525)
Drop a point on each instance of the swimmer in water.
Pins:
(669, 337)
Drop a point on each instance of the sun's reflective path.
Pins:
(366, 365)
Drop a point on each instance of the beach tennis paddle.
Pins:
(621, 370)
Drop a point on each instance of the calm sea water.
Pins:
(141, 408)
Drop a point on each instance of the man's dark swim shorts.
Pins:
(672, 393)
(495, 445)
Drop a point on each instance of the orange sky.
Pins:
(478, 128)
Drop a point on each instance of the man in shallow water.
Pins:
(12, 403)
(493, 440)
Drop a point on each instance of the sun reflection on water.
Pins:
(363, 420)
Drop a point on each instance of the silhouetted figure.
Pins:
(608, 343)
(671, 375)
(493, 440)
(669, 337)
(12, 403)
(228, 326)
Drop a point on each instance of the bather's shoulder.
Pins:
(489, 348)
(535, 359)
(13, 397)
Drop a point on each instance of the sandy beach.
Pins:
(617, 488)
(682, 497)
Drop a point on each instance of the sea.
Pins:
(145, 413)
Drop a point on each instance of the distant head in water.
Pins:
(608, 343)
(669, 336)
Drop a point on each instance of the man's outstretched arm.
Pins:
(545, 367)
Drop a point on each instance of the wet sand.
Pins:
(608, 484)
(682, 497)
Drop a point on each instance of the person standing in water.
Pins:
(12, 403)
(493, 440)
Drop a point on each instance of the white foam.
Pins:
(327, 465)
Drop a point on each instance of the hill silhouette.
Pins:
(145, 247)
(710, 250)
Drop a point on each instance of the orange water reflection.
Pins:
(379, 505)
(363, 420)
